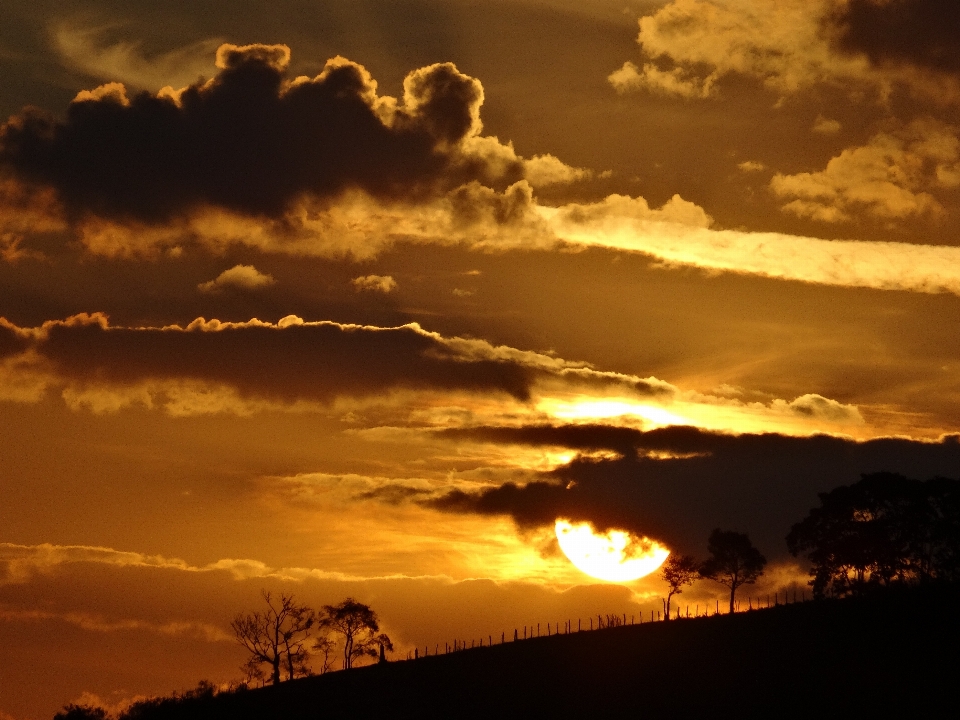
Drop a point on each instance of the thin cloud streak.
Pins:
(845, 263)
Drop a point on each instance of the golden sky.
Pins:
(358, 297)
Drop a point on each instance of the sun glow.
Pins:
(617, 556)
(608, 408)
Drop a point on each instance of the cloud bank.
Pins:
(676, 484)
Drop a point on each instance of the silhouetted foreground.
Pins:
(892, 654)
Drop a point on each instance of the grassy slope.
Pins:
(898, 655)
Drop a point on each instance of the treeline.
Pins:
(882, 531)
(885, 530)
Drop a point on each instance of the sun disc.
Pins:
(616, 556)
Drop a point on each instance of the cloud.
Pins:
(415, 378)
(125, 61)
(375, 283)
(255, 152)
(675, 81)
(290, 360)
(889, 178)
(846, 263)
(793, 45)
(751, 166)
(543, 170)
(825, 126)
(240, 277)
(213, 366)
(676, 484)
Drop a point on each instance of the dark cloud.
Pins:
(319, 361)
(676, 484)
(925, 33)
(12, 342)
(252, 141)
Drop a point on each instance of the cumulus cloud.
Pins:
(791, 45)
(375, 283)
(676, 484)
(890, 177)
(675, 211)
(675, 81)
(253, 152)
(240, 277)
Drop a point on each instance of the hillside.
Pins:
(892, 655)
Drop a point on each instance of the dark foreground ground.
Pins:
(896, 656)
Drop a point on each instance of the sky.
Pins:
(358, 297)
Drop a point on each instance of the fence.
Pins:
(610, 621)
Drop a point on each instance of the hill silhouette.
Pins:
(895, 653)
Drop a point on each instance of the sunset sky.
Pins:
(357, 297)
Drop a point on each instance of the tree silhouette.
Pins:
(276, 636)
(360, 629)
(324, 647)
(733, 561)
(677, 571)
(881, 530)
(81, 712)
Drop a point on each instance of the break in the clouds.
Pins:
(690, 46)
(676, 484)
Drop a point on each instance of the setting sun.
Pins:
(616, 556)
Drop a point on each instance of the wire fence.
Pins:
(602, 622)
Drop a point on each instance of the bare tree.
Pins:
(324, 647)
(359, 627)
(733, 561)
(276, 636)
(677, 571)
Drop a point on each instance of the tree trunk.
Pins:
(276, 669)
(733, 593)
(666, 613)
